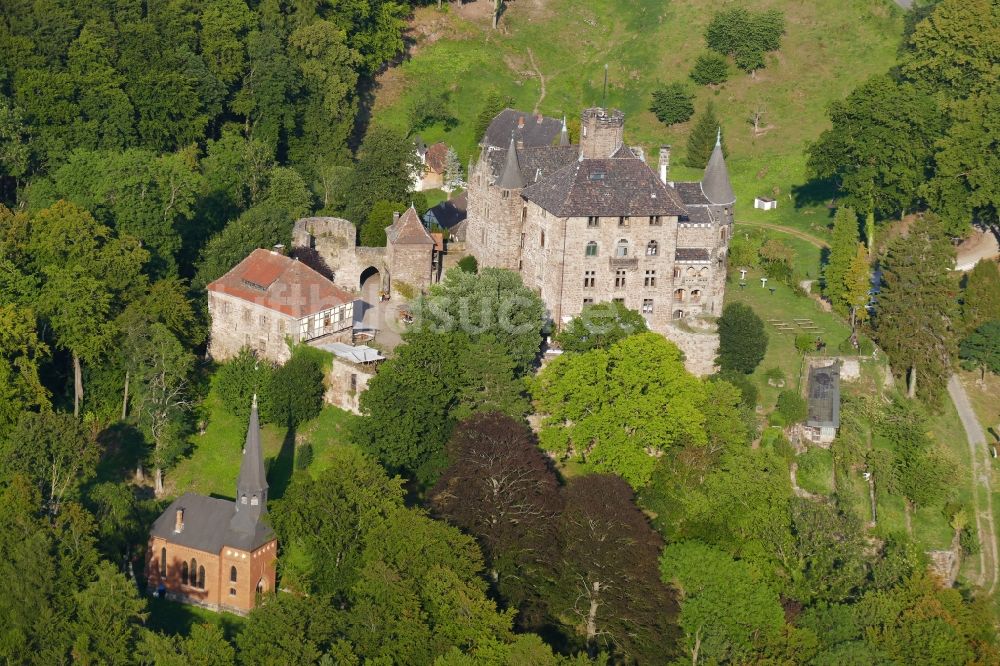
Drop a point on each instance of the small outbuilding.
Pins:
(764, 203)
(823, 418)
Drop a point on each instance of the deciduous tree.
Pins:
(981, 296)
(600, 325)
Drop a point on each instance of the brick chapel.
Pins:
(593, 222)
(217, 553)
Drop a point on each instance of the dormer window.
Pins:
(593, 222)
(243, 499)
(623, 221)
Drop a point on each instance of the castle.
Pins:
(592, 222)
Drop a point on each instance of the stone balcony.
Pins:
(627, 263)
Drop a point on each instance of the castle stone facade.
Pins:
(593, 222)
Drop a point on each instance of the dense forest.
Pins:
(146, 148)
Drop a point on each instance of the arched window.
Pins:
(591, 249)
(621, 250)
(184, 573)
(201, 577)
(232, 574)
(678, 314)
(691, 272)
(695, 295)
(652, 249)
(194, 572)
(703, 272)
(163, 563)
(679, 295)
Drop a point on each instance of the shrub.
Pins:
(468, 264)
(792, 407)
(748, 390)
(239, 379)
(745, 35)
(805, 343)
(295, 391)
(710, 68)
(672, 104)
(742, 339)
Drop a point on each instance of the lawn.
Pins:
(830, 46)
(213, 462)
(785, 305)
(815, 473)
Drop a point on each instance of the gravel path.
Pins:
(982, 492)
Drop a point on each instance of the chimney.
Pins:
(395, 217)
(279, 248)
(179, 521)
(520, 122)
(538, 118)
(664, 162)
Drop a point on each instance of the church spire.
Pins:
(511, 178)
(251, 487)
(715, 184)
(564, 134)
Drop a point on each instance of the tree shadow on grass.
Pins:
(122, 447)
(177, 619)
(816, 192)
(282, 466)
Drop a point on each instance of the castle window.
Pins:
(650, 280)
(703, 272)
(621, 250)
(524, 214)
(619, 279)
(354, 383)
(678, 314)
(593, 222)
(618, 300)
(541, 239)
(263, 321)
(246, 315)
(163, 563)
(677, 272)
(588, 301)
(184, 573)
(226, 308)
(695, 295)
(591, 249)
(194, 572)
(654, 221)
(201, 577)
(623, 221)
(652, 248)
(647, 306)
(679, 295)
(722, 234)
(312, 241)
(522, 241)
(505, 194)
(691, 272)
(232, 574)
(589, 278)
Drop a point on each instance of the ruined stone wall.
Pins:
(700, 347)
(338, 384)
(237, 323)
(333, 239)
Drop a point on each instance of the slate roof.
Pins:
(535, 163)
(206, 525)
(511, 177)
(449, 214)
(408, 230)
(537, 131)
(605, 187)
(824, 397)
(280, 283)
(252, 481)
(715, 184)
(692, 254)
(691, 194)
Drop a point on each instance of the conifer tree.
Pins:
(917, 313)
(843, 249)
(702, 139)
(857, 283)
(981, 299)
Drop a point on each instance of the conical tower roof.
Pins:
(715, 184)
(511, 178)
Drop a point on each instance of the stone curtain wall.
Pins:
(338, 384)
(334, 241)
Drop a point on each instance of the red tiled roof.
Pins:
(436, 157)
(279, 283)
(409, 230)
